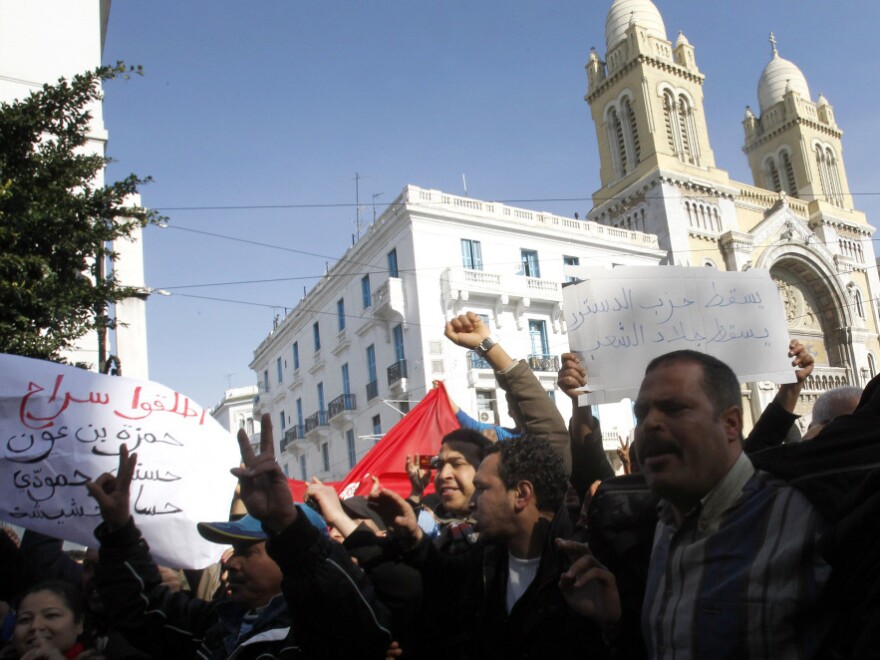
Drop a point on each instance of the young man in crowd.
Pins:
(505, 590)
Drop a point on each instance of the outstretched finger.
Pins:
(96, 488)
(244, 446)
(127, 464)
(267, 438)
(572, 549)
(597, 573)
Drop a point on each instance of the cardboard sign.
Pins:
(618, 320)
(61, 426)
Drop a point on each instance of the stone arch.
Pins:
(815, 305)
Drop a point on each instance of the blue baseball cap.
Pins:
(248, 528)
(245, 529)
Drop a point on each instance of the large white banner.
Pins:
(61, 426)
(618, 320)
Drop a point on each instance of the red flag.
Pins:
(419, 432)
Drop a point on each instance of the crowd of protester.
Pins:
(709, 545)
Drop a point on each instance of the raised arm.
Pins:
(589, 461)
(151, 617)
(320, 582)
(777, 418)
(534, 412)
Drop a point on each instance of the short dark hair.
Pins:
(719, 382)
(67, 592)
(469, 443)
(533, 459)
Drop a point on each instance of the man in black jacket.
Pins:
(509, 582)
(289, 584)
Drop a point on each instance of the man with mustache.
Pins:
(735, 571)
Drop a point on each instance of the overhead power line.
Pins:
(530, 200)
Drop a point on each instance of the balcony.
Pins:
(543, 362)
(341, 404)
(295, 432)
(477, 361)
(315, 420)
(396, 372)
(461, 283)
(387, 300)
(372, 390)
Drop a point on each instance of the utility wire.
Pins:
(534, 200)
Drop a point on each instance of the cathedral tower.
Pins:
(657, 168)
(794, 145)
(646, 97)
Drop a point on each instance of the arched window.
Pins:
(834, 177)
(788, 168)
(822, 165)
(618, 144)
(872, 366)
(858, 303)
(829, 175)
(630, 119)
(670, 121)
(773, 182)
(686, 147)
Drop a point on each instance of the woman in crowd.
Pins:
(49, 625)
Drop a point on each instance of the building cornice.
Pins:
(784, 126)
(662, 65)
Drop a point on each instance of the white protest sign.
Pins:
(61, 426)
(618, 320)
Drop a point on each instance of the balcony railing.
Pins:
(295, 432)
(543, 362)
(396, 372)
(315, 420)
(477, 361)
(341, 403)
(372, 390)
(826, 378)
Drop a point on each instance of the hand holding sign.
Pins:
(112, 492)
(264, 488)
(572, 376)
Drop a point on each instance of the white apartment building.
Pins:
(366, 343)
(236, 410)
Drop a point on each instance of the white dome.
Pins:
(642, 12)
(778, 77)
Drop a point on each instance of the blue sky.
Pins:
(278, 103)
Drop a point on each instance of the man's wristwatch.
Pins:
(483, 347)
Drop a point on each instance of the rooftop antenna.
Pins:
(375, 195)
(464, 183)
(357, 203)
